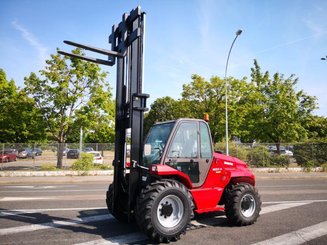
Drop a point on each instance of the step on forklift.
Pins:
(174, 173)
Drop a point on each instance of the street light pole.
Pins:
(80, 142)
(227, 84)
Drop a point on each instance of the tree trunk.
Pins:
(278, 147)
(60, 154)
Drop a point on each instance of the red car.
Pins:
(8, 156)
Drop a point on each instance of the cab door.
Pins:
(190, 150)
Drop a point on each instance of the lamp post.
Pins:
(226, 95)
(80, 141)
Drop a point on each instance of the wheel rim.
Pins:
(248, 205)
(170, 211)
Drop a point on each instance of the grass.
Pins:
(324, 167)
(48, 167)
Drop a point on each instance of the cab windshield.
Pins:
(156, 142)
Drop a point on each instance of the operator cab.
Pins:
(184, 144)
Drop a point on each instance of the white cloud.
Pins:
(315, 28)
(32, 40)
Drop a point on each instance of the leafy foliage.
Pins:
(72, 93)
(85, 163)
(266, 109)
(20, 120)
(317, 127)
(311, 153)
(281, 114)
(237, 150)
(165, 109)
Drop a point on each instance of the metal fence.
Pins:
(288, 155)
(42, 156)
(256, 155)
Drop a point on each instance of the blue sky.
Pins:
(183, 37)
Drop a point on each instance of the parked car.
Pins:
(286, 153)
(25, 153)
(8, 155)
(11, 151)
(73, 154)
(64, 151)
(37, 151)
(88, 149)
(98, 158)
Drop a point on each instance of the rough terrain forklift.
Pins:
(174, 173)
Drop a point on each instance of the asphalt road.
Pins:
(294, 212)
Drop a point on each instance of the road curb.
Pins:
(62, 173)
(285, 170)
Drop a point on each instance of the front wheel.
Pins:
(243, 204)
(164, 209)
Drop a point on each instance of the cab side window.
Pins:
(185, 144)
(206, 147)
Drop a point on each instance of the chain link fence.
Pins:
(288, 155)
(17, 156)
(36, 156)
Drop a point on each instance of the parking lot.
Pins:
(48, 158)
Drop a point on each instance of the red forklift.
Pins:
(174, 173)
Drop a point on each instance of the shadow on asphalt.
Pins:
(108, 228)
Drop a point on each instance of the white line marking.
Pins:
(20, 186)
(281, 206)
(298, 237)
(38, 186)
(74, 222)
(2, 213)
(264, 210)
(307, 201)
(54, 224)
(31, 211)
(122, 239)
(54, 197)
(295, 185)
(11, 199)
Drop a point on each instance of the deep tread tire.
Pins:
(243, 204)
(148, 208)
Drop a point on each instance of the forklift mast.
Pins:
(126, 42)
(128, 38)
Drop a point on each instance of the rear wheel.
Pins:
(243, 204)
(164, 209)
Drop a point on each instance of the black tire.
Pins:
(119, 215)
(164, 209)
(243, 204)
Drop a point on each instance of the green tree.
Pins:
(263, 109)
(70, 93)
(165, 109)
(317, 127)
(209, 97)
(280, 113)
(20, 120)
